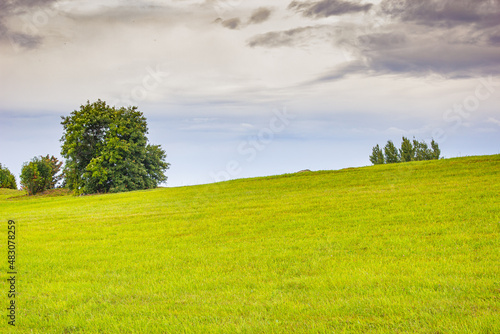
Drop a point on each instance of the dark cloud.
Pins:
(234, 23)
(290, 38)
(495, 39)
(259, 15)
(27, 37)
(453, 39)
(9, 8)
(4, 6)
(408, 38)
(327, 8)
(454, 61)
(24, 40)
(402, 61)
(447, 13)
(341, 71)
(384, 41)
(411, 55)
(276, 38)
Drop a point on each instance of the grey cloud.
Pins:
(447, 13)
(233, 23)
(403, 47)
(9, 9)
(4, 6)
(377, 41)
(289, 38)
(458, 39)
(24, 40)
(341, 71)
(271, 39)
(11, 6)
(397, 53)
(326, 8)
(454, 61)
(495, 39)
(259, 15)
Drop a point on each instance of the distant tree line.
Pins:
(106, 150)
(409, 151)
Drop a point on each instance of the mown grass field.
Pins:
(403, 248)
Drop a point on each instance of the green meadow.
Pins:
(400, 248)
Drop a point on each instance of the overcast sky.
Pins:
(240, 88)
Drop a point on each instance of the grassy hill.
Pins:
(403, 248)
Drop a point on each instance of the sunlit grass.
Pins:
(403, 248)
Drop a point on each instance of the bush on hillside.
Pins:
(7, 180)
(40, 174)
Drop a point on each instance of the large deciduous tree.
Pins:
(106, 150)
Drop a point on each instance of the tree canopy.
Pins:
(40, 174)
(407, 151)
(416, 151)
(7, 180)
(36, 175)
(106, 150)
(55, 166)
(391, 153)
(377, 157)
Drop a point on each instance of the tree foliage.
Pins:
(422, 151)
(416, 151)
(377, 157)
(407, 151)
(436, 152)
(7, 180)
(36, 175)
(107, 150)
(391, 153)
(55, 166)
